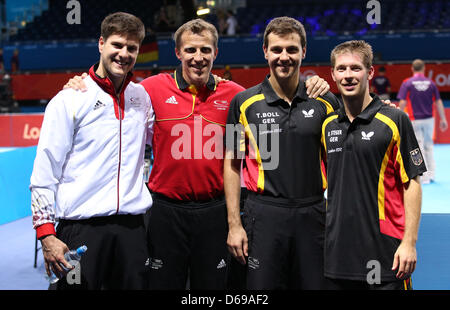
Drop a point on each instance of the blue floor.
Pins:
(17, 258)
(433, 253)
(433, 246)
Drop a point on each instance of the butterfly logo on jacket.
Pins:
(367, 136)
(308, 114)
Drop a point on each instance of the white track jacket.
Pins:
(90, 157)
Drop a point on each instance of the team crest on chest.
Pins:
(221, 105)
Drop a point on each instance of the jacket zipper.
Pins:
(120, 145)
(120, 154)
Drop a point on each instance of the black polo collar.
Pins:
(271, 96)
(368, 114)
(182, 84)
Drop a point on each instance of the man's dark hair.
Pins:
(285, 25)
(123, 24)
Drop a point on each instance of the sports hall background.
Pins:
(57, 39)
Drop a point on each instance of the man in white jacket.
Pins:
(88, 171)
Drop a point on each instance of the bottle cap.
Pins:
(81, 250)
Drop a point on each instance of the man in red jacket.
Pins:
(187, 226)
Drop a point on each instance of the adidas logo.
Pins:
(172, 100)
(98, 104)
(221, 264)
(308, 114)
(367, 136)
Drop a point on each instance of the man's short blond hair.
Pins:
(418, 65)
(195, 26)
(359, 46)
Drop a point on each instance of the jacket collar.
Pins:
(105, 83)
(182, 84)
(271, 96)
(369, 112)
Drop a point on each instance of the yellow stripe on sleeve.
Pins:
(395, 140)
(324, 125)
(327, 105)
(244, 121)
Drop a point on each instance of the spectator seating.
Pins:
(320, 17)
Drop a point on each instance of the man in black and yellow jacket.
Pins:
(374, 194)
(281, 239)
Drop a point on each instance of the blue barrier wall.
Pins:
(15, 171)
(245, 50)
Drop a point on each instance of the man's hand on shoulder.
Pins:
(219, 79)
(391, 104)
(316, 86)
(77, 83)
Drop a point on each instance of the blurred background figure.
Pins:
(15, 61)
(227, 74)
(221, 21)
(418, 93)
(2, 65)
(231, 23)
(162, 23)
(7, 102)
(381, 85)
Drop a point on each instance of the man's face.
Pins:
(118, 55)
(197, 55)
(284, 55)
(351, 75)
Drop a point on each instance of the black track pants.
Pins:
(187, 240)
(117, 252)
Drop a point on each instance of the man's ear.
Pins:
(371, 73)
(332, 74)
(177, 53)
(101, 43)
(265, 51)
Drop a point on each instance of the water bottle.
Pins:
(73, 255)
